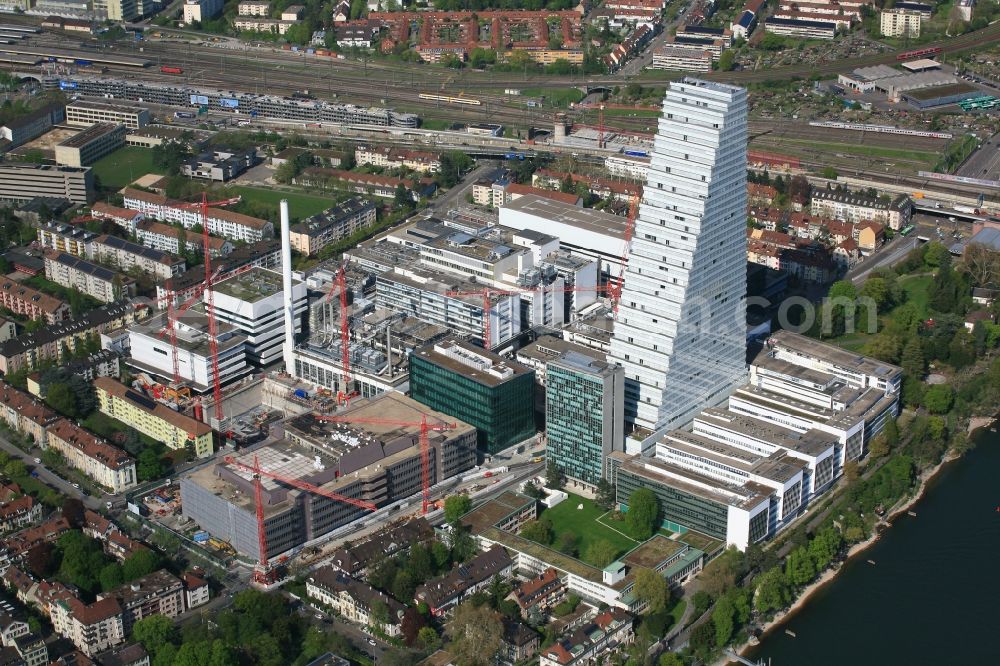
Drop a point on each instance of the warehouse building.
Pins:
(369, 462)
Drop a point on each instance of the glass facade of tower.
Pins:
(503, 413)
(680, 333)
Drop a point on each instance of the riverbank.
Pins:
(831, 573)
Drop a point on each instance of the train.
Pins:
(171, 70)
(183, 114)
(513, 156)
(880, 129)
(920, 53)
(468, 101)
(636, 153)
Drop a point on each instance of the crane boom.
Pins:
(302, 485)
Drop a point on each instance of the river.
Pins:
(931, 596)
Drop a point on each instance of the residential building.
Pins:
(19, 513)
(23, 182)
(682, 59)
(257, 24)
(31, 303)
(166, 238)
(810, 29)
(8, 329)
(356, 559)
(622, 166)
(442, 594)
(201, 10)
(397, 158)
(32, 650)
(477, 386)
(92, 628)
(253, 304)
(612, 628)
(158, 593)
(857, 208)
(538, 595)
(18, 131)
(221, 164)
(153, 418)
(518, 643)
(332, 225)
(90, 145)
(48, 343)
(354, 600)
(254, 8)
(87, 113)
(67, 238)
(221, 222)
(106, 464)
(92, 279)
(584, 415)
(372, 459)
(123, 217)
(196, 589)
(680, 333)
(127, 255)
(900, 22)
(11, 628)
(125, 655)
(368, 184)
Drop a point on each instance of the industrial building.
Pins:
(90, 145)
(584, 415)
(479, 387)
(374, 462)
(252, 303)
(680, 332)
(86, 113)
(21, 182)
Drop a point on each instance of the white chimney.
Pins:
(286, 280)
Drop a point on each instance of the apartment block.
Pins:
(808, 28)
(67, 238)
(123, 217)
(221, 222)
(158, 593)
(857, 208)
(398, 158)
(153, 418)
(90, 145)
(354, 600)
(32, 303)
(104, 463)
(900, 22)
(167, 238)
(682, 59)
(333, 224)
(253, 8)
(26, 415)
(127, 255)
(92, 279)
(22, 182)
(445, 592)
(87, 113)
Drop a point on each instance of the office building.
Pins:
(220, 164)
(31, 303)
(87, 113)
(67, 238)
(263, 253)
(106, 464)
(153, 418)
(166, 238)
(91, 279)
(477, 386)
(252, 303)
(680, 333)
(21, 130)
(368, 461)
(151, 350)
(332, 225)
(90, 145)
(22, 182)
(31, 349)
(584, 412)
(127, 255)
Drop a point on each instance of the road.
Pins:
(456, 195)
(892, 253)
(985, 162)
(51, 478)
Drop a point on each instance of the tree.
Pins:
(726, 60)
(154, 632)
(912, 359)
(721, 574)
(983, 264)
(605, 495)
(703, 636)
(539, 531)
(148, 465)
(411, 624)
(554, 478)
(670, 659)
(891, 430)
(428, 639)
(600, 553)
(642, 516)
(456, 506)
(937, 255)
(73, 512)
(829, 173)
(722, 618)
(652, 588)
(15, 469)
(799, 567)
(402, 198)
(879, 447)
(110, 577)
(139, 564)
(939, 398)
(476, 634)
(773, 591)
(60, 398)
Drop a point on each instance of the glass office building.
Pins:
(479, 387)
(584, 411)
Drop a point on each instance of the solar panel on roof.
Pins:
(140, 399)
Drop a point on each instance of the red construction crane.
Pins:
(213, 325)
(488, 292)
(425, 446)
(340, 281)
(600, 126)
(263, 569)
(616, 289)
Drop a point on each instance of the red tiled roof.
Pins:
(91, 445)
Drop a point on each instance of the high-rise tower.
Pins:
(681, 328)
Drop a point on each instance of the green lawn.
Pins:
(917, 290)
(435, 124)
(123, 166)
(300, 205)
(924, 157)
(677, 612)
(585, 525)
(555, 96)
